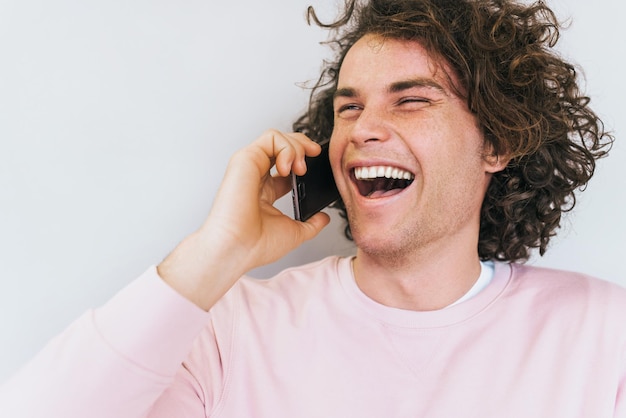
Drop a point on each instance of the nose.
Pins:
(370, 126)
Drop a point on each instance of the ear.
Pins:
(495, 162)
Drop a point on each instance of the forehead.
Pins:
(375, 61)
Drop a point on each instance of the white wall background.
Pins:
(117, 119)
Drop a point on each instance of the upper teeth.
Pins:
(366, 173)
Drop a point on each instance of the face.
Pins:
(407, 154)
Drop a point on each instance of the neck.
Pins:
(420, 281)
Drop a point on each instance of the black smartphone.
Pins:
(316, 189)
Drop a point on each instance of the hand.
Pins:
(244, 230)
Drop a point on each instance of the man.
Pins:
(457, 140)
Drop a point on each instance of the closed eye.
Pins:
(349, 109)
(409, 100)
(350, 106)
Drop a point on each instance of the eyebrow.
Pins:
(396, 87)
(416, 82)
(345, 92)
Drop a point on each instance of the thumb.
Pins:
(313, 226)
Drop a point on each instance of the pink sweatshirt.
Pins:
(308, 343)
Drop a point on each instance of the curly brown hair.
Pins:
(525, 96)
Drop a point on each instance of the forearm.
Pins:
(202, 268)
(244, 230)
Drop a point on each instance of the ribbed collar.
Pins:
(427, 319)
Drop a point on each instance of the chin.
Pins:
(379, 242)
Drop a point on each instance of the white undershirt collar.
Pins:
(486, 275)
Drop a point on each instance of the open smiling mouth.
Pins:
(381, 181)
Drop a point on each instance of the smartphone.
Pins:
(316, 189)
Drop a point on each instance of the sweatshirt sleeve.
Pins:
(620, 402)
(115, 361)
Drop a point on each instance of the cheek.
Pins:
(462, 186)
(453, 164)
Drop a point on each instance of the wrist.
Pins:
(201, 271)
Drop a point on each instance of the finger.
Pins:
(302, 146)
(313, 226)
(274, 189)
(311, 147)
(281, 186)
(282, 150)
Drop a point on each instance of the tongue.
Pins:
(383, 193)
(381, 187)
